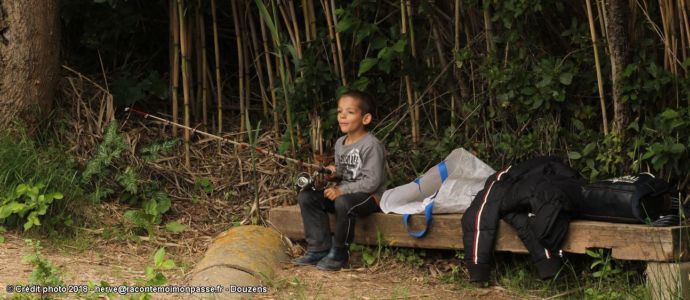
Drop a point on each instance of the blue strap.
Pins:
(443, 170)
(418, 181)
(427, 216)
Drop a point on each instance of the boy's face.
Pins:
(350, 116)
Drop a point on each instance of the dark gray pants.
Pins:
(315, 208)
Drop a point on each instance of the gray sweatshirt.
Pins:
(360, 166)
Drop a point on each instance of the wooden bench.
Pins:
(665, 249)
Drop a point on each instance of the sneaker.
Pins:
(310, 258)
(335, 260)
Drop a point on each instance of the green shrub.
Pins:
(28, 202)
(32, 176)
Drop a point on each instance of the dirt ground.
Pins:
(396, 282)
(124, 263)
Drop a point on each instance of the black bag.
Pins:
(629, 199)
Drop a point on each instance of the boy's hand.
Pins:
(332, 193)
(332, 176)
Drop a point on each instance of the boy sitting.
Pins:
(359, 170)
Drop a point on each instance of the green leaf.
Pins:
(343, 25)
(21, 189)
(159, 279)
(588, 149)
(566, 78)
(361, 84)
(368, 258)
(2, 239)
(163, 202)
(151, 207)
(137, 217)
(591, 253)
(175, 227)
(399, 46)
(167, 264)
(670, 114)
(158, 257)
(574, 155)
(266, 16)
(366, 64)
(676, 148)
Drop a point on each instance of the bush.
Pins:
(32, 176)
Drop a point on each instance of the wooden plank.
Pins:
(627, 241)
(668, 280)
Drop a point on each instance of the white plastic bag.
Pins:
(465, 176)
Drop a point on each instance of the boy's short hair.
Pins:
(366, 101)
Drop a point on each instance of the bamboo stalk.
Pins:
(287, 21)
(667, 42)
(488, 28)
(257, 65)
(175, 76)
(685, 32)
(247, 70)
(275, 33)
(600, 80)
(190, 54)
(444, 62)
(184, 45)
(204, 68)
(312, 19)
(682, 15)
(240, 59)
(456, 49)
(307, 21)
(408, 81)
(219, 88)
(288, 112)
(331, 38)
(413, 48)
(434, 102)
(341, 64)
(603, 21)
(295, 25)
(271, 83)
(684, 7)
(194, 27)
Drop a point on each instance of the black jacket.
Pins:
(535, 197)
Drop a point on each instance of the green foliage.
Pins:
(372, 256)
(203, 185)
(602, 263)
(602, 294)
(152, 152)
(156, 204)
(29, 202)
(154, 273)
(27, 173)
(108, 151)
(44, 273)
(411, 256)
(175, 227)
(129, 180)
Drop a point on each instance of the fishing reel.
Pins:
(305, 181)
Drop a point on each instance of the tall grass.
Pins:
(22, 160)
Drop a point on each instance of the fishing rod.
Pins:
(302, 181)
